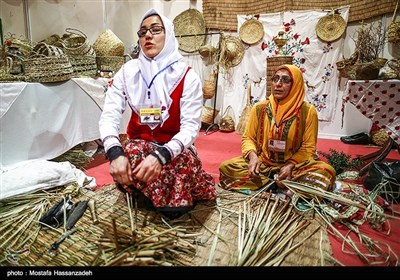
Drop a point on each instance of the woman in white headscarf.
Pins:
(158, 160)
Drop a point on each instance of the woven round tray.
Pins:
(251, 31)
(330, 27)
(190, 22)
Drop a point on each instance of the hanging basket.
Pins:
(209, 86)
(227, 123)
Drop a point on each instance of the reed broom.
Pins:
(245, 113)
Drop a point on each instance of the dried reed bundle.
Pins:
(75, 156)
(245, 113)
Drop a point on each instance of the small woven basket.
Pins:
(209, 86)
(108, 44)
(227, 123)
(75, 43)
(47, 64)
(208, 114)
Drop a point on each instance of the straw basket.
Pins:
(108, 44)
(47, 64)
(208, 114)
(272, 63)
(84, 65)
(75, 43)
(190, 22)
(227, 123)
(209, 86)
(393, 32)
(23, 46)
(251, 31)
(111, 63)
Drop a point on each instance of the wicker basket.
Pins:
(75, 43)
(209, 86)
(208, 114)
(108, 44)
(111, 63)
(227, 123)
(84, 65)
(47, 64)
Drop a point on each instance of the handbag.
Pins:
(387, 173)
(226, 123)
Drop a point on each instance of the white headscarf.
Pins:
(167, 70)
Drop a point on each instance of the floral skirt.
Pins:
(181, 183)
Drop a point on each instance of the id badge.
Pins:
(150, 115)
(277, 145)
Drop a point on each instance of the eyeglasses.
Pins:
(283, 79)
(153, 30)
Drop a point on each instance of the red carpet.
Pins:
(216, 147)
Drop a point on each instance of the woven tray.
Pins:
(251, 31)
(190, 22)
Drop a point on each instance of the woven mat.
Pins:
(207, 236)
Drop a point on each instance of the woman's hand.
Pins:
(254, 165)
(120, 170)
(285, 173)
(149, 169)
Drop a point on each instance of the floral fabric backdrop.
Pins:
(316, 58)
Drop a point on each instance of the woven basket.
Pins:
(111, 63)
(208, 114)
(251, 31)
(227, 123)
(209, 86)
(23, 45)
(108, 44)
(47, 64)
(75, 43)
(190, 22)
(84, 65)
(330, 27)
(380, 137)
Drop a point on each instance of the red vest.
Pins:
(164, 133)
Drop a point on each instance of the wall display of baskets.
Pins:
(227, 123)
(190, 22)
(331, 27)
(108, 44)
(47, 64)
(251, 31)
(208, 114)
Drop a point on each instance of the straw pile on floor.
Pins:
(221, 234)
